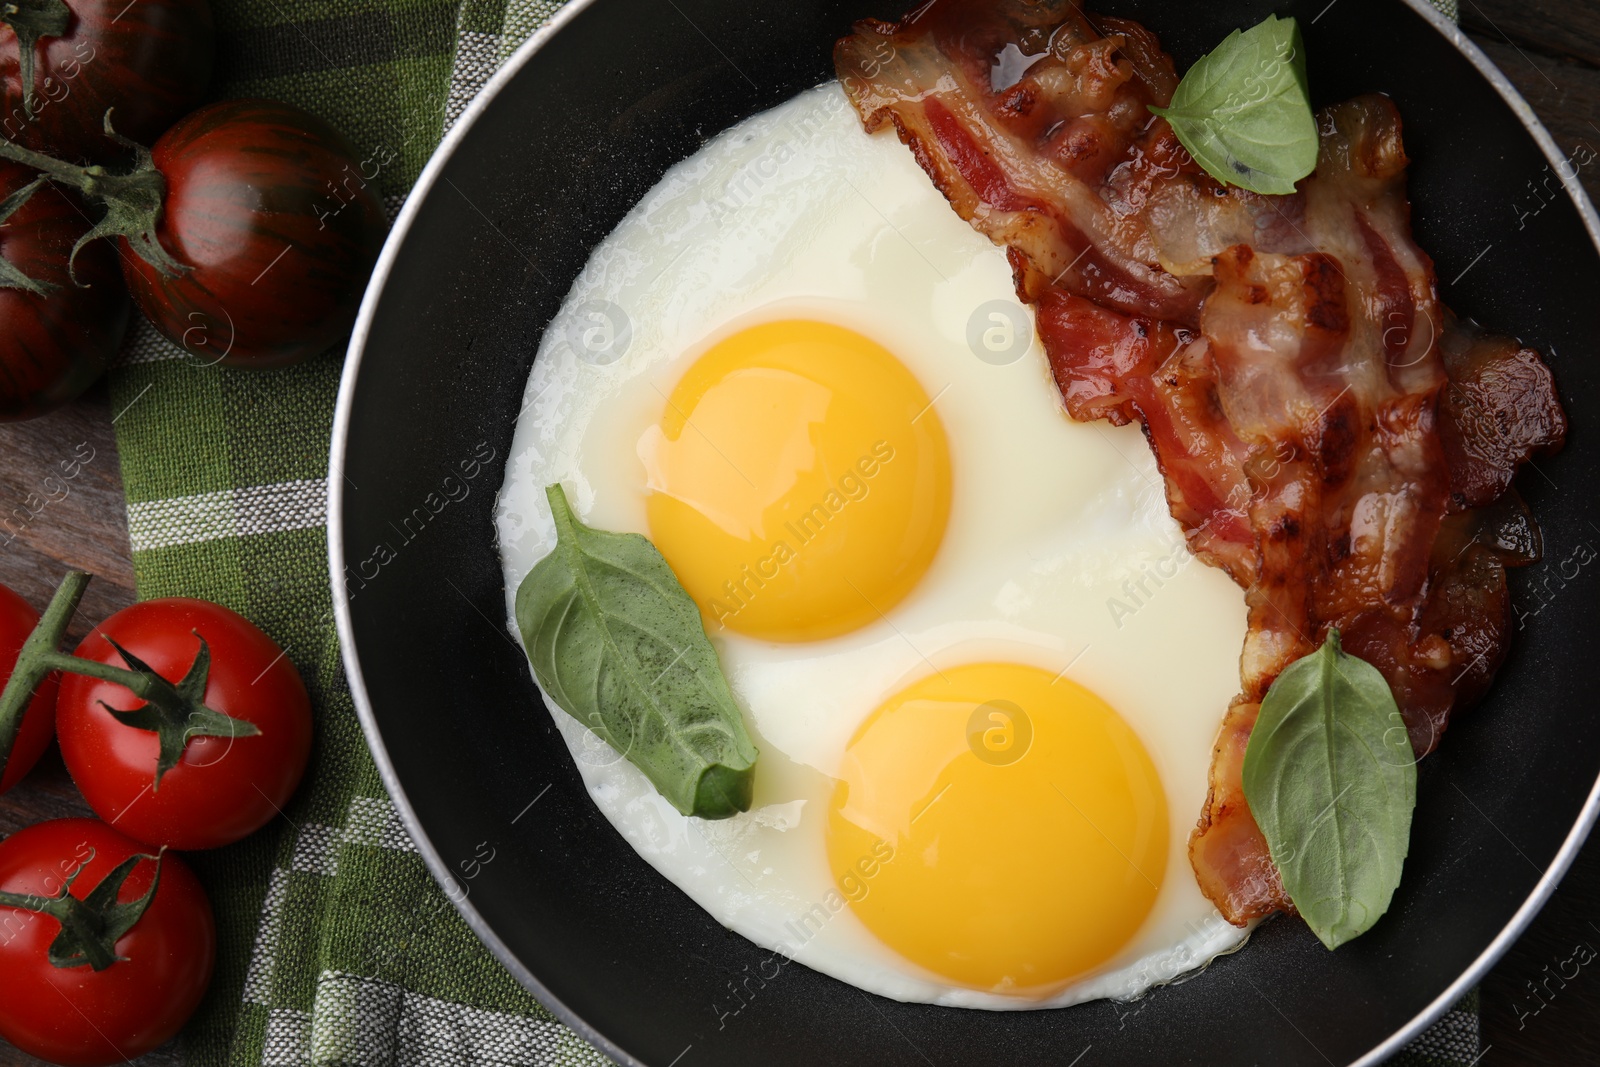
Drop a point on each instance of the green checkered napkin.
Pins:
(337, 947)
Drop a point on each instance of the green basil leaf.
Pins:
(1331, 779)
(1244, 110)
(620, 646)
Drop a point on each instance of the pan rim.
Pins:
(345, 628)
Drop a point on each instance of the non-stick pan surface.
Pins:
(582, 122)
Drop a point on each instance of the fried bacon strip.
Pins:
(1330, 435)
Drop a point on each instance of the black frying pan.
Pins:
(582, 122)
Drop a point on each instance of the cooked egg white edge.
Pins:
(797, 211)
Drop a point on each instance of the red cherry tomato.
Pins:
(53, 345)
(223, 788)
(275, 216)
(77, 1015)
(17, 620)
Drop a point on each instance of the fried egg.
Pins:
(982, 669)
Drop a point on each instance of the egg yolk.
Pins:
(999, 826)
(799, 481)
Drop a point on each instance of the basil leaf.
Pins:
(620, 646)
(1331, 779)
(1244, 110)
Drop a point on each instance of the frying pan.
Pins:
(581, 122)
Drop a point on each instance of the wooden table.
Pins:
(1549, 48)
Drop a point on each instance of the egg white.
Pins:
(1060, 551)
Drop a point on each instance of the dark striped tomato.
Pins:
(269, 209)
(53, 347)
(149, 59)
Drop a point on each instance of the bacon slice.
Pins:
(1330, 435)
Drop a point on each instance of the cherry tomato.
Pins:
(53, 345)
(17, 620)
(151, 60)
(272, 212)
(79, 1015)
(222, 788)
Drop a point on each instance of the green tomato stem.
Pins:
(32, 20)
(174, 712)
(11, 276)
(91, 927)
(133, 202)
(32, 661)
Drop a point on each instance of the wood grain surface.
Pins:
(1536, 1011)
(48, 525)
